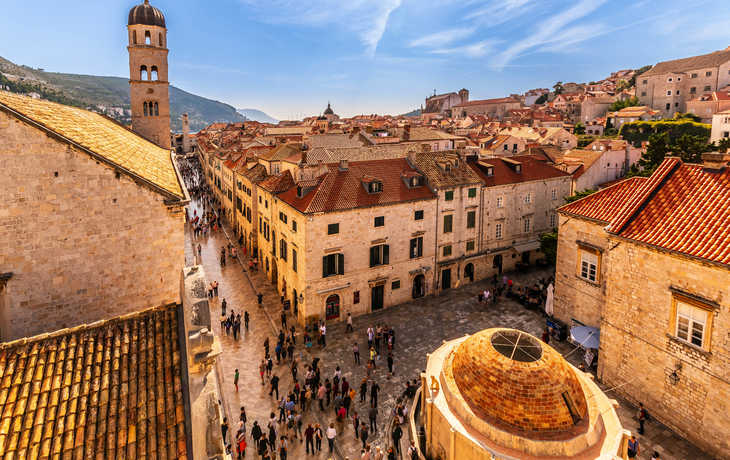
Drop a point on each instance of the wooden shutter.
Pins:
(340, 264)
(373, 255)
(325, 271)
(386, 253)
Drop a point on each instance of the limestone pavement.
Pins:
(421, 326)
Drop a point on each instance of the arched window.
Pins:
(159, 40)
(332, 307)
(134, 37)
(143, 73)
(157, 110)
(147, 38)
(145, 109)
(153, 73)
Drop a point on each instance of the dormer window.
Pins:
(415, 182)
(375, 187)
(490, 172)
(447, 166)
(300, 192)
(518, 169)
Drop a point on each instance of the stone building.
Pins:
(493, 108)
(148, 74)
(441, 104)
(669, 85)
(558, 137)
(503, 394)
(720, 126)
(647, 261)
(631, 114)
(708, 104)
(101, 213)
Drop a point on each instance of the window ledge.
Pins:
(691, 346)
(592, 283)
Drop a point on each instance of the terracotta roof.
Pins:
(605, 204)
(611, 182)
(373, 152)
(714, 96)
(278, 183)
(336, 140)
(419, 134)
(102, 136)
(500, 100)
(109, 390)
(341, 190)
(532, 133)
(635, 112)
(532, 170)
(704, 61)
(608, 144)
(586, 162)
(552, 153)
(280, 152)
(436, 177)
(255, 174)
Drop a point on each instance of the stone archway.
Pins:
(419, 286)
(497, 263)
(469, 272)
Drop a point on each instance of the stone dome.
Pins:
(511, 379)
(146, 14)
(329, 110)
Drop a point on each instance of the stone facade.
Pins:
(720, 126)
(87, 242)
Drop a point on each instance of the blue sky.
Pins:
(289, 57)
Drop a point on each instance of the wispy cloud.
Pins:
(441, 38)
(548, 30)
(365, 19)
(478, 49)
(500, 11)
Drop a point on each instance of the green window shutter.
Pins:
(471, 219)
(340, 264)
(448, 221)
(325, 268)
(372, 256)
(386, 253)
(472, 192)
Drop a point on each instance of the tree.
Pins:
(579, 195)
(622, 85)
(690, 148)
(580, 128)
(549, 246)
(723, 145)
(558, 87)
(618, 105)
(542, 99)
(687, 116)
(655, 152)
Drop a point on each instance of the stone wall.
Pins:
(84, 243)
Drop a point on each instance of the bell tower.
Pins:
(186, 134)
(148, 74)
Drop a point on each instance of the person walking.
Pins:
(274, 386)
(374, 393)
(390, 365)
(200, 251)
(245, 319)
(309, 434)
(260, 296)
(283, 319)
(235, 379)
(224, 304)
(266, 346)
(363, 434)
(373, 415)
(331, 433)
(356, 351)
(412, 451)
(363, 389)
(321, 392)
(397, 434)
(224, 429)
(356, 424)
(634, 449)
(480, 298)
(486, 298)
(546, 336)
(215, 289)
(256, 434)
(318, 437)
(378, 454)
(642, 418)
(349, 324)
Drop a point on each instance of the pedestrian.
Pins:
(272, 439)
(374, 393)
(349, 324)
(356, 351)
(269, 366)
(283, 319)
(378, 454)
(391, 453)
(321, 392)
(480, 298)
(371, 336)
(323, 331)
(634, 449)
(373, 415)
(318, 437)
(546, 336)
(224, 429)
(390, 365)
(328, 387)
(368, 370)
(236, 325)
(245, 319)
(346, 400)
(274, 386)
(241, 441)
(655, 456)
(260, 296)
(341, 416)
(413, 451)
(331, 433)
(215, 289)
(363, 389)
(363, 434)
(224, 304)
(200, 250)
(266, 346)
(356, 424)
(378, 338)
(397, 434)
(235, 379)
(309, 434)
(504, 281)
(642, 418)
(486, 298)
(210, 292)
(256, 434)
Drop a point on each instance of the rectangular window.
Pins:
(380, 221)
(644, 82)
(553, 194)
(379, 255)
(588, 266)
(552, 220)
(230, 195)
(669, 106)
(643, 93)
(283, 250)
(294, 226)
(694, 75)
(527, 225)
(282, 217)
(669, 93)
(679, 78)
(500, 202)
(693, 89)
(449, 196)
(677, 93)
(528, 198)
(395, 285)
(707, 87)
(333, 264)
(691, 323)
(418, 215)
(239, 204)
(472, 192)
(448, 223)
(333, 229)
(708, 73)
(498, 231)
(260, 200)
(294, 260)
(356, 297)
(416, 248)
(669, 79)
(506, 147)
(447, 251)
(261, 227)
(471, 218)
(266, 204)
(470, 245)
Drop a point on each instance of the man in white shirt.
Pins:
(323, 331)
(331, 433)
(486, 297)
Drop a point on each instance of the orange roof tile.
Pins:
(606, 204)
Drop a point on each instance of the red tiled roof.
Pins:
(341, 190)
(532, 170)
(606, 204)
(278, 183)
(611, 182)
(500, 100)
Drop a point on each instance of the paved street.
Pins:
(420, 327)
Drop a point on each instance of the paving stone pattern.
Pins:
(421, 326)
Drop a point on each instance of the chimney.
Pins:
(715, 161)
(355, 130)
(343, 165)
(304, 157)
(369, 129)
(407, 128)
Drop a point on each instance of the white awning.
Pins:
(336, 288)
(527, 246)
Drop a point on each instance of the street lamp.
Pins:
(301, 298)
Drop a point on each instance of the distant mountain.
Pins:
(413, 113)
(112, 94)
(257, 115)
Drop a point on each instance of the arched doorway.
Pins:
(497, 263)
(295, 301)
(274, 272)
(469, 272)
(419, 286)
(332, 307)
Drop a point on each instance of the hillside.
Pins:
(257, 115)
(88, 91)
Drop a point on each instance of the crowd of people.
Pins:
(530, 297)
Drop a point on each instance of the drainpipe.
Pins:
(436, 271)
(481, 218)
